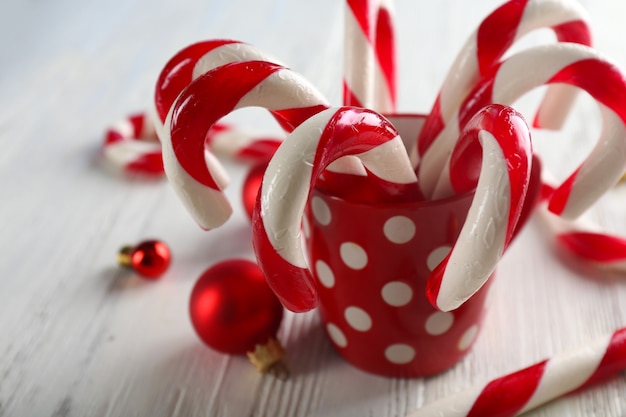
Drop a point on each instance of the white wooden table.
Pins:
(81, 337)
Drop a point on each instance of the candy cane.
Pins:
(524, 390)
(486, 46)
(292, 173)
(198, 178)
(195, 60)
(369, 51)
(572, 64)
(131, 145)
(199, 58)
(234, 142)
(500, 194)
(585, 240)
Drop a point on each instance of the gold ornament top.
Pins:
(268, 357)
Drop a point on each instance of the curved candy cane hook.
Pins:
(572, 64)
(132, 145)
(199, 179)
(497, 33)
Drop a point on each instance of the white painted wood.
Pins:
(80, 337)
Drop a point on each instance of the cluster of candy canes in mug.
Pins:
(471, 141)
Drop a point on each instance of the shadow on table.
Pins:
(195, 380)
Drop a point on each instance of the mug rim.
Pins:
(399, 205)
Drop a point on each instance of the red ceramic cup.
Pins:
(371, 262)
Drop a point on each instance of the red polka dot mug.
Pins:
(372, 263)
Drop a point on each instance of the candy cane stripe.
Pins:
(369, 63)
(227, 53)
(524, 390)
(565, 373)
(359, 54)
(613, 361)
(506, 396)
(489, 34)
(131, 145)
(361, 11)
(595, 247)
(386, 53)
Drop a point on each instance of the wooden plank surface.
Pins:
(80, 337)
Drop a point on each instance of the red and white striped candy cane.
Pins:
(199, 58)
(486, 46)
(501, 187)
(193, 61)
(524, 390)
(369, 55)
(290, 176)
(571, 64)
(198, 178)
(585, 240)
(131, 145)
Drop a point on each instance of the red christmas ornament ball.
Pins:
(150, 258)
(251, 185)
(232, 308)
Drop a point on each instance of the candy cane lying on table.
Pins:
(131, 145)
(499, 197)
(290, 177)
(572, 64)
(521, 391)
(486, 46)
(198, 178)
(585, 240)
(369, 55)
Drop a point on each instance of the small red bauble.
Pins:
(251, 185)
(232, 308)
(150, 258)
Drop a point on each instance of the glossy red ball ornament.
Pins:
(233, 309)
(251, 185)
(150, 258)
